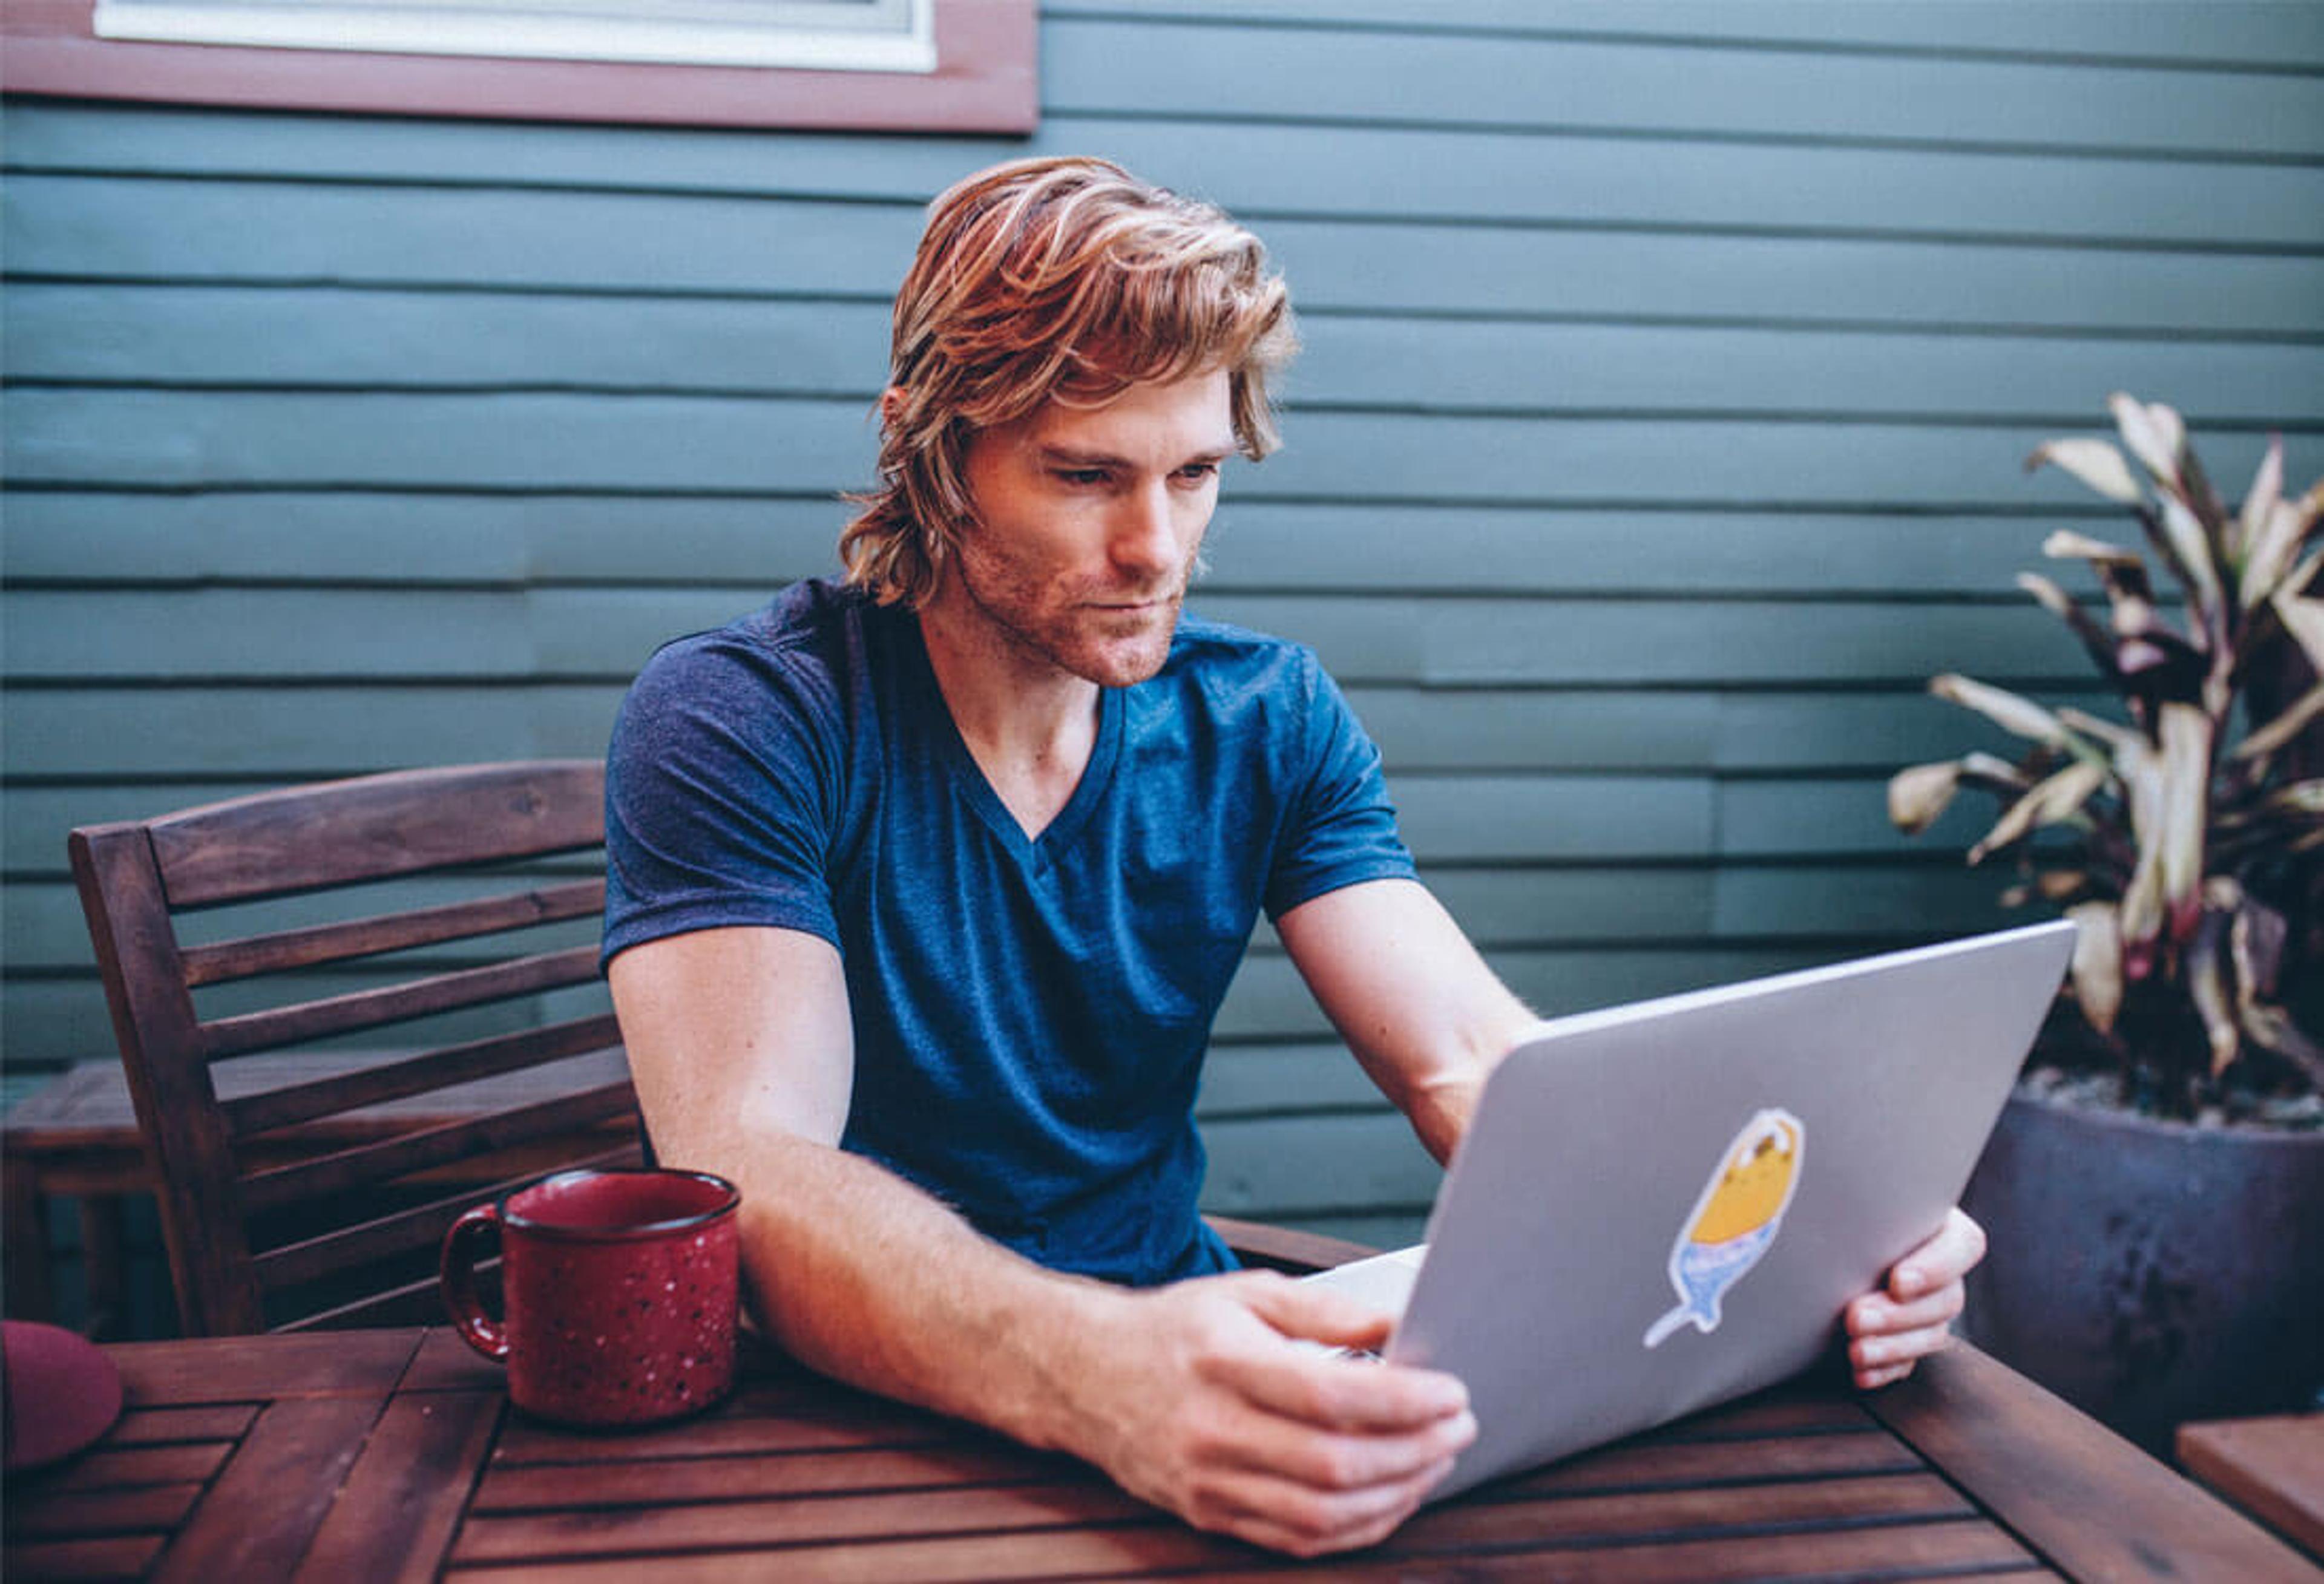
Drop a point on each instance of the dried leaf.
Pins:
(2106, 732)
(2063, 605)
(2269, 552)
(2257, 944)
(2065, 544)
(2301, 799)
(2003, 709)
(2207, 986)
(2304, 712)
(2304, 619)
(2097, 970)
(1995, 774)
(1918, 795)
(2186, 760)
(2062, 885)
(2273, 1027)
(2094, 461)
(2140, 920)
(2260, 502)
(2303, 577)
(2057, 798)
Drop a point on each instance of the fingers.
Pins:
(1336, 1393)
(1887, 1338)
(1282, 1444)
(1944, 1258)
(1286, 1516)
(1317, 1313)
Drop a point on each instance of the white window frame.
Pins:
(886, 36)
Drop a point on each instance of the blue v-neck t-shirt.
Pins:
(1030, 1015)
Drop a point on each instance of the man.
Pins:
(925, 891)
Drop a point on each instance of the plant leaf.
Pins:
(1992, 772)
(2304, 619)
(2140, 920)
(2256, 943)
(2106, 732)
(2269, 552)
(2056, 799)
(2207, 969)
(2186, 758)
(2094, 639)
(2272, 1027)
(2066, 545)
(1919, 794)
(2260, 502)
(2095, 463)
(2191, 553)
(2153, 434)
(2301, 800)
(2304, 713)
(2096, 969)
(2062, 885)
(2004, 709)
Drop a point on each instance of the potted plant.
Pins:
(2155, 1190)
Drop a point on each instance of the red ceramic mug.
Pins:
(620, 1288)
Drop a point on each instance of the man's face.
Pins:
(1089, 523)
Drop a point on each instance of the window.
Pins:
(887, 65)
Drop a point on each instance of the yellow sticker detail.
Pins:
(1735, 1219)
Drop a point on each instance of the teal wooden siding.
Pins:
(1670, 366)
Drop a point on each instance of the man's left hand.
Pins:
(1911, 1315)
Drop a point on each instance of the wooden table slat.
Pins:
(124, 1556)
(1957, 1545)
(288, 1469)
(159, 1426)
(2270, 1466)
(403, 1500)
(154, 1509)
(103, 1468)
(645, 1481)
(2076, 1492)
(248, 1369)
(1644, 1465)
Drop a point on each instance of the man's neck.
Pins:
(1029, 726)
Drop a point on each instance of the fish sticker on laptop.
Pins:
(1735, 1220)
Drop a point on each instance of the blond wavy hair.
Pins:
(1052, 279)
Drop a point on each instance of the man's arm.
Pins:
(1412, 998)
(1428, 1020)
(1189, 1396)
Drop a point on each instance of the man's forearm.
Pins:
(863, 1276)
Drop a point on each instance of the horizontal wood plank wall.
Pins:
(1670, 368)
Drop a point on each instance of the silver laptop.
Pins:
(1662, 1206)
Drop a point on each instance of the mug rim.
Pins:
(511, 1217)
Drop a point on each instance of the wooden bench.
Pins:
(77, 1138)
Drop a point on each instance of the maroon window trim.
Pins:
(985, 79)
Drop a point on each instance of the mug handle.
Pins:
(456, 1271)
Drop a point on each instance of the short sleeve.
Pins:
(724, 787)
(1341, 827)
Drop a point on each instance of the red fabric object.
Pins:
(62, 1392)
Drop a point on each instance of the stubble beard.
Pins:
(1074, 639)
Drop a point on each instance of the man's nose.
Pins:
(1146, 531)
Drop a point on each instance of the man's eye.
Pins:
(1085, 477)
(1196, 471)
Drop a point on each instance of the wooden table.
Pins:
(2271, 1466)
(393, 1455)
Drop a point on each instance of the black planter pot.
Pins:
(2151, 1272)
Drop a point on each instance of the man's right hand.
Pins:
(1201, 1398)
